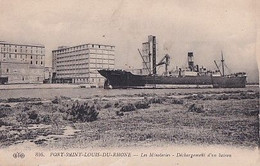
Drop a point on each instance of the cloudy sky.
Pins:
(203, 26)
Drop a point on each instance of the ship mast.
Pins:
(222, 63)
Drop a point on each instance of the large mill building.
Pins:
(80, 64)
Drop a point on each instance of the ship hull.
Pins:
(229, 82)
(124, 79)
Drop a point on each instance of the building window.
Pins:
(98, 46)
(7, 70)
(10, 56)
(31, 62)
(31, 57)
(92, 45)
(41, 62)
(36, 62)
(15, 56)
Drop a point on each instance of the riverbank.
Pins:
(69, 86)
(45, 86)
(132, 118)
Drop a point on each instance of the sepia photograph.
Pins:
(122, 83)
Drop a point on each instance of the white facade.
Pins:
(82, 62)
(22, 63)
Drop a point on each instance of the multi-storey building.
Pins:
(80, 64)
(22, 63)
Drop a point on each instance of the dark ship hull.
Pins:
(229, 81)
(125, 79)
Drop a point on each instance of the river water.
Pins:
(89, 92)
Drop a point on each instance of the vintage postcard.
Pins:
(122, 83)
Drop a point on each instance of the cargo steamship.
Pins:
(193, 75)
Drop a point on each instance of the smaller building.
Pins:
(48, 75)
(21, 63)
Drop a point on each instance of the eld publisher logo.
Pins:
(18, 155)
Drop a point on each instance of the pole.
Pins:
(222, 62)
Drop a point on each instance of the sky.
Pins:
(204, 27)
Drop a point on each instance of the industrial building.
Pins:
(21, 63)
(79, 64)
(149, 56)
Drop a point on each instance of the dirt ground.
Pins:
(226, 117)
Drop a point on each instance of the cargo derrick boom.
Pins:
(165, 60)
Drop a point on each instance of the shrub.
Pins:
(2, 123)
(251, 113)
(33, 115)
(22, 99)
(46, 119)
(40, 141)
(37, 103)
(142, 105)
(108, 105)
(157, 100)
(5, 105)
(65, 98)
(22, 117)
(118, 113)
(223, 97)
(83, 112)
(176, 101)
(2, 115)
(196, 97)
(56, 100)
(5, 111)
(26, 109)
(195, 108)
(118, 104)
(128, 107)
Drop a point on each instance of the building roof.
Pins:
(67, 47)
(22, 44)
